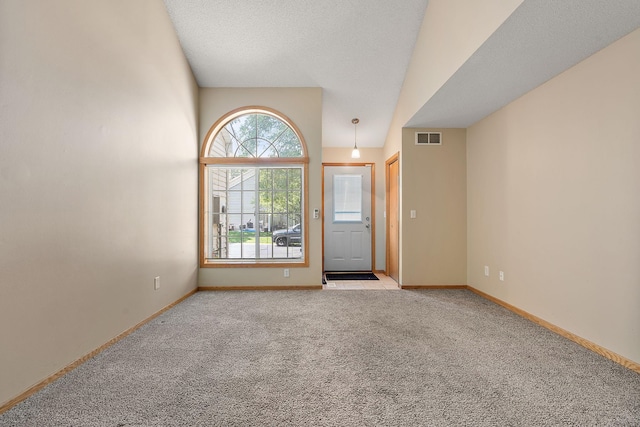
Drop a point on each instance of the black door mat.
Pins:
(331, 277)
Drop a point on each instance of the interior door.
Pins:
(393, 229)
(347, 218)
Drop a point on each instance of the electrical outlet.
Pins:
(486, 270)
(286, 272)
(156, 283)
(502, 276)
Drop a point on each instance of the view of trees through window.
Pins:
(254, 211)
(256, 135)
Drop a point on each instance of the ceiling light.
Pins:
(355, 154)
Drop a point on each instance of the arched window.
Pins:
(253, 174)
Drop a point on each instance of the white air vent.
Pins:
(428, 138)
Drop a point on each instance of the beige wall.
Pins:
(98, 176)
(554, 200)
(304, 107)
(451, 32)
(367, 155)
(434, 244)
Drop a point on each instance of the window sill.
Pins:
(209, 263)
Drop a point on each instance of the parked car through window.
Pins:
(288, 236)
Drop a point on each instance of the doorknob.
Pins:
(368, 226)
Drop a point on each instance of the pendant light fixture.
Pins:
(355, 154)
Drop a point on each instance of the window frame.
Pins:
(254, 162)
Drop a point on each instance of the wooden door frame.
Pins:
(387, 164)
(373, 207)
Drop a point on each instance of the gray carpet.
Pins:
(339, 358)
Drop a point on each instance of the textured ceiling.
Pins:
(540, 39)
(358, 52)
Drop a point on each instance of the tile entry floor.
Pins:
(385, 283)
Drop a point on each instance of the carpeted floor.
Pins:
(350, 358)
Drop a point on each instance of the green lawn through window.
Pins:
(248, 237)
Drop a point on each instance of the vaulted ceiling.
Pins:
(358, 51)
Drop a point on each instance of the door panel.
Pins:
(356, 240)
(347, 218)
(336, 245)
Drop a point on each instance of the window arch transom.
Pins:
(253, 134)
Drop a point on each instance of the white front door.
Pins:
(347, 218)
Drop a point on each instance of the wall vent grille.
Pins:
(428, 138)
